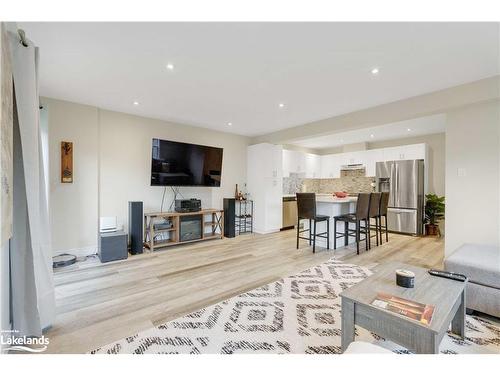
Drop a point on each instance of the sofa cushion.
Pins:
(480, 263)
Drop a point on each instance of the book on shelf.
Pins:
(404, 307)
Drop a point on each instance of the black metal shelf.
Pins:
(243, 216)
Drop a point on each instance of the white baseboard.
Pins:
(266, 231)
(80, 252)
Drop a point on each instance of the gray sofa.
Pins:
(481, 264)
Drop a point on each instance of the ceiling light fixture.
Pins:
(229, 124)
(408, 129)
(281, 105)
(136, 103)
(371, 136)
(375, 71)
(170, 66)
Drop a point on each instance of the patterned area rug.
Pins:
(299, 314)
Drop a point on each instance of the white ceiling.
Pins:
(240, 72)
(397, 130)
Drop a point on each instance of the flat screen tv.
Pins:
(185, 164)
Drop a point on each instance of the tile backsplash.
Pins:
(296, 183)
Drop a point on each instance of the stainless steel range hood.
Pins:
(352, 167)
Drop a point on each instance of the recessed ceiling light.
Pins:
(371, 136)
(281, 105)
(375, 71)
(136, 103)
(170, 66)
(229, 124)
(408, 129)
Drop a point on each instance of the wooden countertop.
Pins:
(205, 211)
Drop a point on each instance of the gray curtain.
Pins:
(33, 302)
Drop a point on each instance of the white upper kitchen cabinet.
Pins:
(288, 162)
(371, 159)
(299, 162)
(416, 151)
(330, 166)
(265, 160)
(293, 162)
(312, 166)
(408, 152)
(356, 157)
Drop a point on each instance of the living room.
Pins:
(262, 187)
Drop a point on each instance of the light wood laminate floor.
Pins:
(100, 303)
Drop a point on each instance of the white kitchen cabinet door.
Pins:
(408, 152)
(300, 162)
(416, 151)
(317, 166)
(394, 153)
(370, 162)
(288, 162)
(312, 166)
(345, 158)
(357, 157)
(265, 160)
(293, 162)
(330, 166)
(277, 162)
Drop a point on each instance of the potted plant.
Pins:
(434, 212)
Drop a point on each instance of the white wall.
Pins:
(112, 164)
(472, 176)
(125, 160)
(73, 207)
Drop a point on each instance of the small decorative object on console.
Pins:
(238, 195)
(405, 278)
(340, 194)
(187, 205)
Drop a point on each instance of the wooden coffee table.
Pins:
(448, 297)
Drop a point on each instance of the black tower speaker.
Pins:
(135, 227)
(229, 217)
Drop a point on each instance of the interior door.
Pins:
(402, 220)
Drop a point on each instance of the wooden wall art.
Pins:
(67, 162)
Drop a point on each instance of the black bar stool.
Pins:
(361, 214)
(374, 214)
(384, 202)
(306, 209)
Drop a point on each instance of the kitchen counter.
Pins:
(327, 198)
(331, 199)
(331, 206)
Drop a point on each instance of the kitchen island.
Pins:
(331, 206)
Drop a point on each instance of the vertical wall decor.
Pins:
(66, 162)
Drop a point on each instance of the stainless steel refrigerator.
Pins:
(404, 180)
